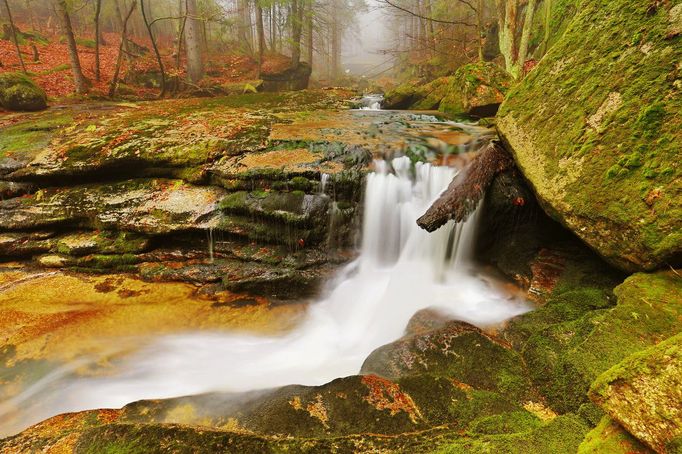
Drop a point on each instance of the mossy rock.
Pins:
(644, 393)
(102, 432)
(153, 206)
(458, 351)
(596, 129)
(401, 97)
(610, 438)
(19, 92)
(476, 89)
(579, 335)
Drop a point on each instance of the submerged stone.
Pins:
(458, 351)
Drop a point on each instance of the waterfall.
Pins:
(401, 269)
(372, 102)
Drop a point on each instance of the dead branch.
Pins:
(467, 189)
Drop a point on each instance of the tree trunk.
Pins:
(335, 47)
(79, 79)
(548, 24)
(195, 57)
(525, 35)
(156, 49)
(98, 10)
(310, 24)
(506, 16)
(431, 32)
(121, 47)
(296, 9)
(122, 25)
(14, 36)
(273, 29)
(467, 189)
(181, 34)
(261, 36)
(481, 31)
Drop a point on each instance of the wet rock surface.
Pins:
(244, 171)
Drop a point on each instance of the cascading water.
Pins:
(372, 102)
(401, 269)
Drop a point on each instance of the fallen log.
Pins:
(468, 187)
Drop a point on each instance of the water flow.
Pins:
(401, 269)
(372, 102)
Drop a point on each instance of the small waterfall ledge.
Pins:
(401, 270)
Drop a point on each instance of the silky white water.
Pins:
(372, 102)
(401, 269)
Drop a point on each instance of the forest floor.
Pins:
(52, 69)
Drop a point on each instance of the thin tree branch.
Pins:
(432, 19)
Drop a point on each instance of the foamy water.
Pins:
(401, 269)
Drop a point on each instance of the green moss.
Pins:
(650, 120)
(639, 365)
(561, 435)
(616, 99)
(609, 438)
(565, 356)
(475, 85)
(19, 92)
(30, 137)
(505, 423)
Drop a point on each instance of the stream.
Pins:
(400, 270)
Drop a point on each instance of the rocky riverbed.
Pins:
(230, 213)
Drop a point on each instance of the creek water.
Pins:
(371, 102)
(400, 270)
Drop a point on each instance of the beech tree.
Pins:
(193, 43)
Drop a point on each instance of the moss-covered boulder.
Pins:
(596, 128)
(644, 394)
(292, 78)
(457, 350)
(417, 97)
(580, 333)
(476, 89)
(19, 92)
(609, 437)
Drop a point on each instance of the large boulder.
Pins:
(580, 333)
(476, 89)
(644, 394)
(596, 129)
(18, 92)
(291, 79)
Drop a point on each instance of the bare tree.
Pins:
(79, 79)
(159, 61)
(98, 10)
(13, 29)
(121, 48)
